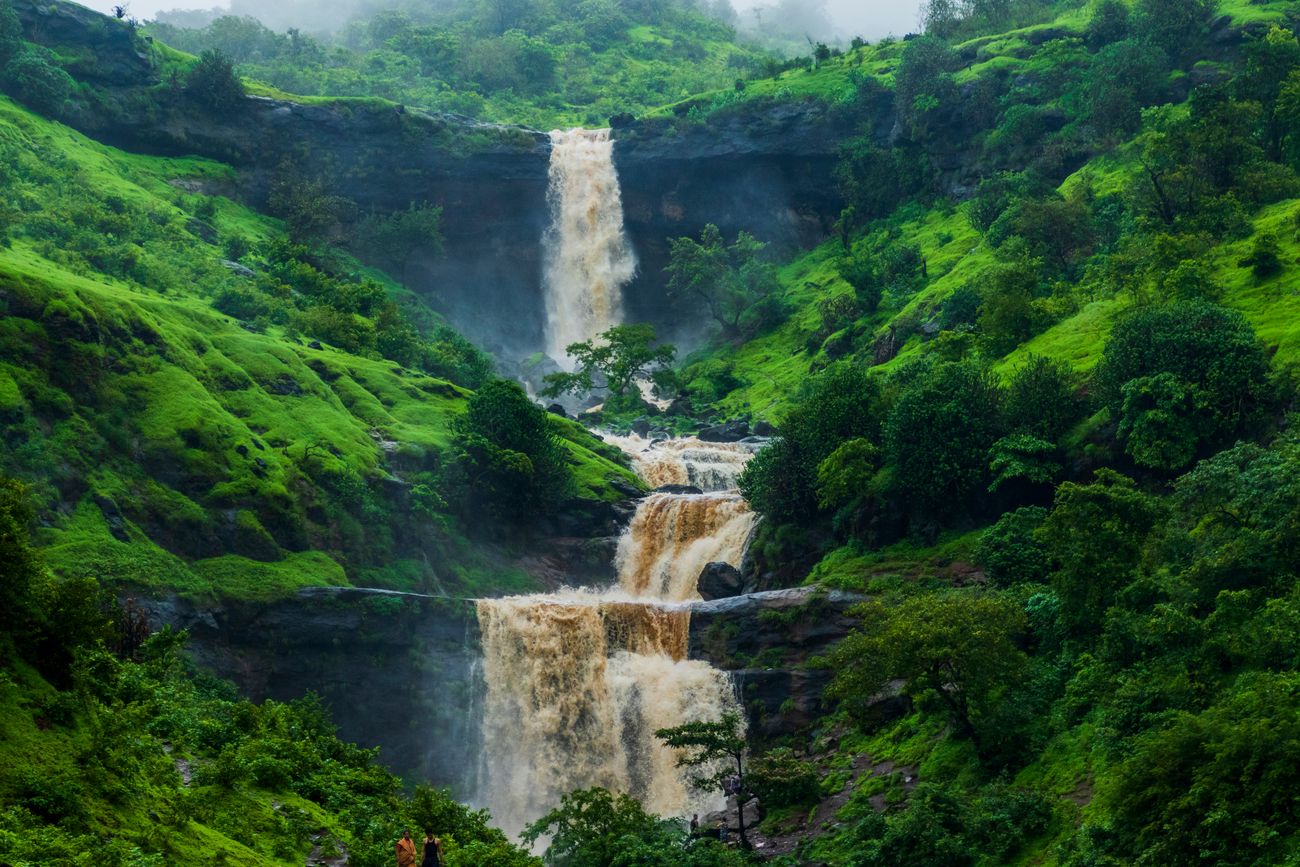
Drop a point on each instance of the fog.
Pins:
(818, 19)
(870, 19)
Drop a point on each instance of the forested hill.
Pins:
(542, 64)
(1016, 294)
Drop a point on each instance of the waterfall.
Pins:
(578, 681)
(588, 257)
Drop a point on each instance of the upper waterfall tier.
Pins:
(588, 257)
(686, 461)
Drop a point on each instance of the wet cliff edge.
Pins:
(402, 672)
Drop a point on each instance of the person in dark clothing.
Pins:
(432, 851)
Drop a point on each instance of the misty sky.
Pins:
(868, 18)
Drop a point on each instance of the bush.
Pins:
(34, 78)
(1011, 552)
(213, 84)
(779, 779)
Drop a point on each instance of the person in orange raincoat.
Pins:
(406, 850)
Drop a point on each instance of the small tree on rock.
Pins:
(717, 750)
(616, 360)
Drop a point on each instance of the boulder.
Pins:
(677, 489)
(557, 409)
(753, 815)
(729, 432)
(764, 429)
(719, 581)
(641, 427)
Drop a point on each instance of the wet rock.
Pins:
(113, 517)
(719, 581)
(641, 427)
(753, 815)
(781, 630)
(625, 487)
(366, 653)
(557, 409)
(678, 489)
(764, 429)
(237, 269)
(622, 120)
(728, 432)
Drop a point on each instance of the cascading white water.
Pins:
(588, 257)
(579, 681)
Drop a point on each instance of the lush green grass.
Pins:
(237, 460)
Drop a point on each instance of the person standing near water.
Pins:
(405, 850)
(432, 851)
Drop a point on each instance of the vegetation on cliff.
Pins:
(1033, 399)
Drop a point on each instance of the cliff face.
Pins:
(397, 671)
(402, 672)
(765, 168)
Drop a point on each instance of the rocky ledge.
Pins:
(768, 640)
(398, 671)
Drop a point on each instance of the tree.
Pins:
(938, 436)
(1265, 258)
(717, 750)
(733, 282)
(391, 239)
(1211, 357)
(1011, 552)
(1160, 421)
(35, 78)
(1096, 534)
(510, 460)
(19, 566)
(11, 33)
(1040, 399)
(1177, 26)
(924, 84)
(616, 360)
(213, 84)
(1109, 24)
(957, 647)
(840, 404)
(590, 826)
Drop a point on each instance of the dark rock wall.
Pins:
(397, 671)
(767, 640)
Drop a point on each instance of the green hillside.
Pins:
(177, 447)
(1032, 399)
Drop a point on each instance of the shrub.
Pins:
(1011, 552)
(34, 77)
(779, 779)
(213, 84)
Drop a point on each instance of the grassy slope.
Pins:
(185, 401)
(49, 753)
(773, 365)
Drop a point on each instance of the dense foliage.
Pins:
(520, 61)
(114, 748)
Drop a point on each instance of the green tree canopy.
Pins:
(733, 282)
(616, 360)
(956, 648)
